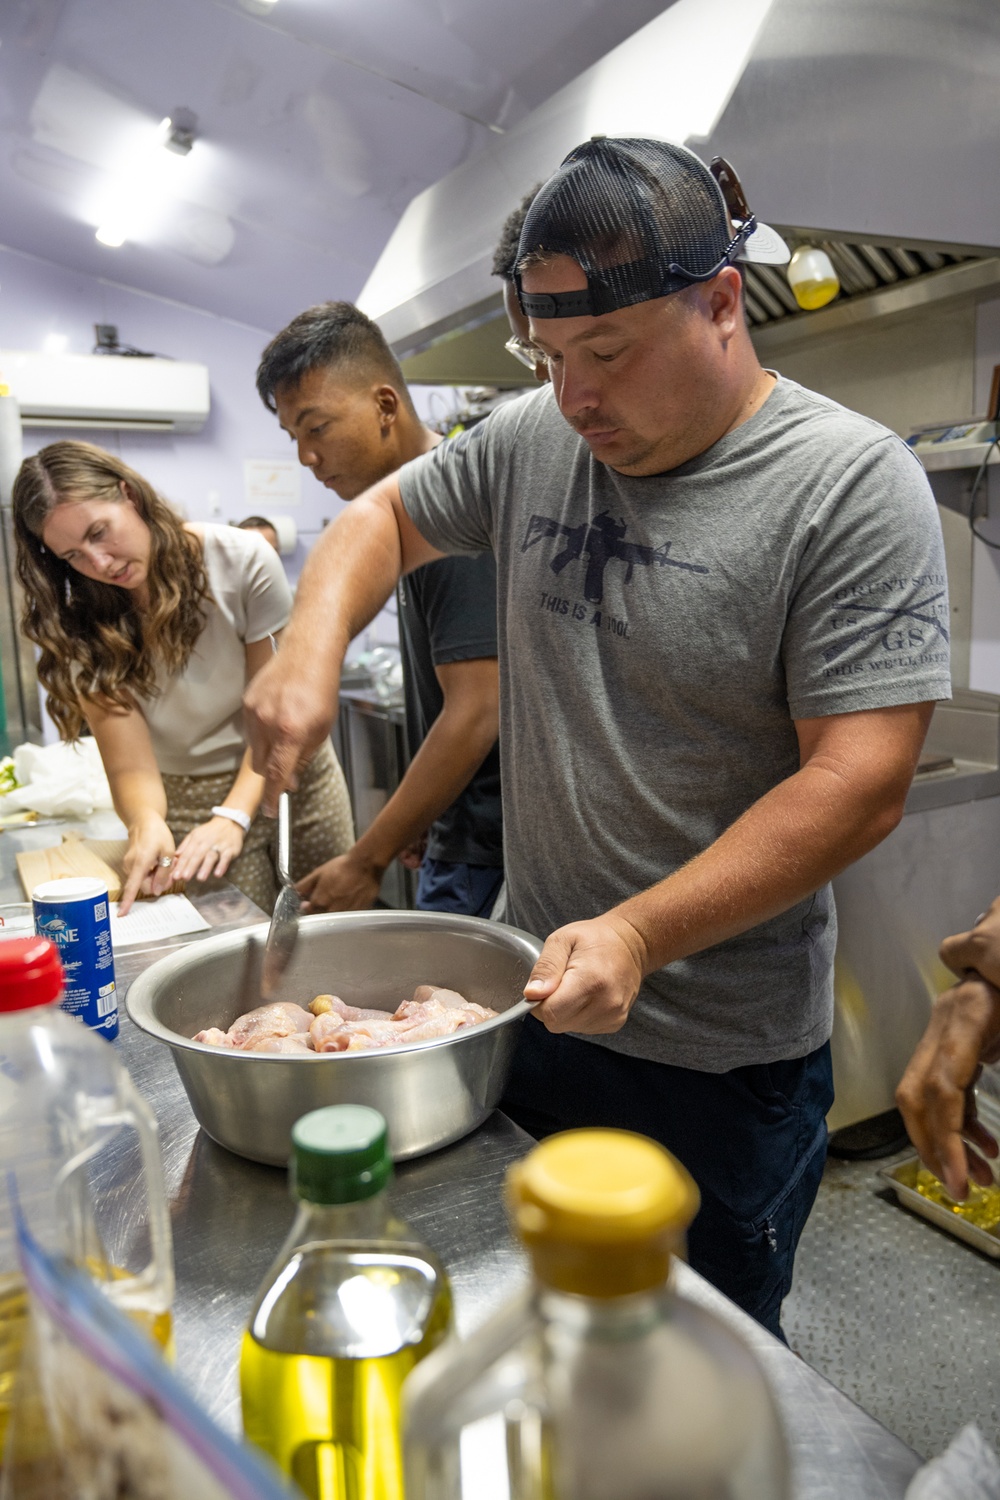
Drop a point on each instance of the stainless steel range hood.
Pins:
(673, 78)
(874, 119)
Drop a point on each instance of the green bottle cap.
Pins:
(340, 1154)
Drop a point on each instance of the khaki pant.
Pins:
(322, 825)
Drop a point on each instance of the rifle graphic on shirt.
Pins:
(601, 541)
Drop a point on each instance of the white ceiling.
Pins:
(318, 121)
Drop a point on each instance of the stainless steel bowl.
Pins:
(431, 1093)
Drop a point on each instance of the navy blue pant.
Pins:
(446, 885)
(753, 1139)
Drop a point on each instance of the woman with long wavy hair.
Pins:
(148, 629)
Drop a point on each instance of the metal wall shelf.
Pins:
(957, 456)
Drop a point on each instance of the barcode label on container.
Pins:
(100, 911)
(107, 1000)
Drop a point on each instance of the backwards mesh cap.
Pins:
(643, 219)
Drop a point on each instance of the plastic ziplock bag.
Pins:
(967, 1470)
(98, 1415)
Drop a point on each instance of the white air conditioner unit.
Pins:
(107, 391)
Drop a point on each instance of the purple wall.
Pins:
(201, 473)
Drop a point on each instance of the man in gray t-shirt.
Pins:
(723, 624)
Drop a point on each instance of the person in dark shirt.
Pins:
(338, 391)
(520, 343)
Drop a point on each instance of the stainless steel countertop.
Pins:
(229, 1217)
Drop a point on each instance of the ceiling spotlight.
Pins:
(111, 235)
(179, 131)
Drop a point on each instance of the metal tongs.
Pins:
(283, 933)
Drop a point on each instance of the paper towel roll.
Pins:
(11, 450)
(288, 535)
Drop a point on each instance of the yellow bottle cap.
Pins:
(4, 389)
(601, 1211)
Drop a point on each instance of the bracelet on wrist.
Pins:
(235, 815)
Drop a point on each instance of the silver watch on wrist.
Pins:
(235, 815)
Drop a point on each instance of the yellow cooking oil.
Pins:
(14, 1322)
(13, 1331)
(981, 1207)
(156, 1322)
(324, 1360)
(813, 294)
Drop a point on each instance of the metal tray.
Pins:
(903, 1176)
(902, 1179)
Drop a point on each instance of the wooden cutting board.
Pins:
(71, 857)
(102, 859)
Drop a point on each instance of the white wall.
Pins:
(201, 473)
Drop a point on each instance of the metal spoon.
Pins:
(283, 933)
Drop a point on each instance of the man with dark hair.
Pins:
(724, 623)
(505, 265)
(264, 526)
(338, 391)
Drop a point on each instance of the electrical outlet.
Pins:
(215, 505)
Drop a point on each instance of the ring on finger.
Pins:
(215, 848)
(165, 861)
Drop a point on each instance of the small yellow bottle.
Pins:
(351, 1304)
(812, 278)
(601, 1383)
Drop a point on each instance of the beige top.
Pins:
(196, 722)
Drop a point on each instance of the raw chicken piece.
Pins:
(326, 1026)
(330, 1033)
(213, 1036)
(279, 1019)
(443, 1005)
(450, 998)
(325, 1005)
(296, 1045)
(441, 1025)
(334, 1026)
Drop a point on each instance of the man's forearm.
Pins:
(442, 768)
(349, 574)
(290, 703)
(783, 848)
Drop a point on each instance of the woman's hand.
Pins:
(208, 850)
(149, 860)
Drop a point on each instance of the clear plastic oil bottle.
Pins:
(351, 1304)
(65, 1101)
(600, 1383)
